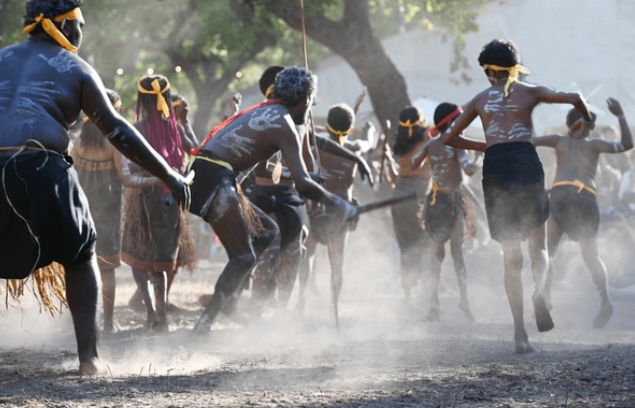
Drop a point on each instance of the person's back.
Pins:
(513, 178)
(38, 101)
(577, 159)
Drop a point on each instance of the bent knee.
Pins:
(247, 259)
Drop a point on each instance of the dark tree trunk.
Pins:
(353, 39)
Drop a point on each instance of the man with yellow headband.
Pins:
(44, 214)
(513, 179)
(447, 214)
(573, 199)
(278, 267)
(339, 176)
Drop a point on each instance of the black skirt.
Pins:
(577, 214)
(441, 217)
(514, 187)
(45, 193)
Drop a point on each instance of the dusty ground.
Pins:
(385, 356)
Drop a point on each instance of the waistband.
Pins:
(576, 183)
(435, 190)
(94, 165)
(209, 157)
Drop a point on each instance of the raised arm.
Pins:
(335, 149)
(453, 137)
(468, 167)
(547, 141)
(187, 143)
(125, 175)
(626, 142)
(183, 116)
(125, 138)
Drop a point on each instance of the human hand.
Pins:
(615, 107)
(364, 171)
(180, 187)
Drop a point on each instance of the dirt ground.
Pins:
(386, 354)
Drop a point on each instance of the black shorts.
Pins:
(210, 177)
(577, 214)
(441, 217)
(289, 208)
(48, 197)
(514, 187)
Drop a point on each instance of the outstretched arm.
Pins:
(125, 138)
(547, 141)
(548, 95)
(626, 143)
(335, 149)
(126, 177)
(453, 136)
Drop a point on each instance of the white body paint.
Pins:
(238, 144)
(264, 120)
(62, 62)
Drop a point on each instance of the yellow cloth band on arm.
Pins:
(514, 73)
(341, 134)
(162, 105)
(52, 30)
(410, 125)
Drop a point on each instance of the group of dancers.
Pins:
(73, 212)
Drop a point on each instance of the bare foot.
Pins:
(604, 316)
(160, 327)
(467, 312)
(92, 367)
(172, 308)
(543, 316)
(524, 347)
(136, 304)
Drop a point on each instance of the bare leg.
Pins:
(136, 301)
(554, 235)
(226, 218)
(457, 250)
(143, 285)
(265, 274)
(82, 291)
(108, 282)
(291, 258)
(306, 267)
(600, 279)
(159, 282)
(539, 265)
(336, 257)
(171, 308)
(435, 276)
(514, 288)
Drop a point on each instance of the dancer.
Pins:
(155, 240)
(573, 198)
(513, 179)
(447, 215)
(45, 217)
(103, 172)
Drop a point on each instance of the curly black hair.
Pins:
(294, 85)
(90, 136)
(441, 112)
(50, 9)
(269, 77)
(501, 52)
(404, 142)
(341, 117)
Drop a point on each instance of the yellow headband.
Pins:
(410, 125)
(115, 105)
(341, 134)
(268, 92)
(162, 105)
(514, 73)
(176, 103)
(51, 30)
